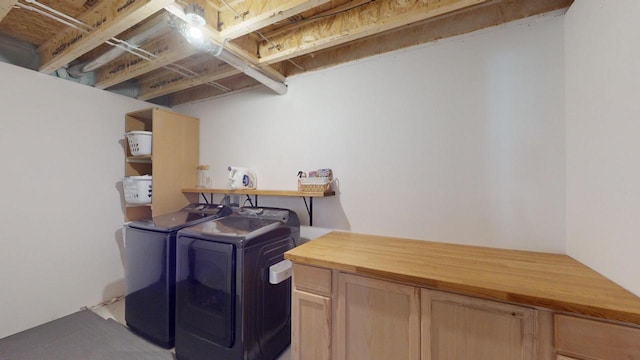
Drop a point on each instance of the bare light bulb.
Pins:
(195, 32)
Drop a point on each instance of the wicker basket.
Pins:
(317, 184)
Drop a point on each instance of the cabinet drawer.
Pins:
(595, 339)
(312, 279)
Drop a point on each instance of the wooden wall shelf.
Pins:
(260, 192)
(140, 159)
(255, 192)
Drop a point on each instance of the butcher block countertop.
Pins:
(552, 281)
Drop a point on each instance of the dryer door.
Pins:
(150, 284)
(205, 292)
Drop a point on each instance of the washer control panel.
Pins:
(270, 214)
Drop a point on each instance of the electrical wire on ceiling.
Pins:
(80, 26)
(219, 51)
(329, 14)
(74, 23)
(59, 18)
(188, 73)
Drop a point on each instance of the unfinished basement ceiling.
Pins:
(75, 39)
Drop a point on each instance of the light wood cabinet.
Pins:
(582, 338)
(172, 164)
(474, 302)
(376, 320)
(344, 316)
(462, 327)
(311, 326)
(311, 313)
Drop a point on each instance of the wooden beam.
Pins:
(5, 7)
(217, 5)
(169, 48)
(426, 31)
(250, 16)
(107, 18)
(231, 46)
(366, 20)
(235, 84)
(207, 68)
(336, 6)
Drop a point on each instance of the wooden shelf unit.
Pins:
(255, 192)
(172, 164)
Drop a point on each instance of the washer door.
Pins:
(205, 292)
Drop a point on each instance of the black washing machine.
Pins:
(150, 270)
(226, 305)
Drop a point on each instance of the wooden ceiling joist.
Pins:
(335, 7)
(107, 18)
(250, 16)
(426, 31)
(368, 19)
(235, 84)
(5, 7)
(168, 49)
(275, 38)
(206, 71)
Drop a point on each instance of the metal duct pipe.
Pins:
(237, 62)
(196, 38)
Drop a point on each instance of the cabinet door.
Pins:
(311, 326)
(461, 327)
(376, 320)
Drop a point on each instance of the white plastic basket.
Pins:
(137, 189)
(139, 142)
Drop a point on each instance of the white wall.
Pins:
(460, 141)
(61, 156)
(603, 128)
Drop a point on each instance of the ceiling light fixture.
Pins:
(194, 21)
(191, 28)
(194, 15)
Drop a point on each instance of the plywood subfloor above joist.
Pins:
(279, 38)
(5, 6)
(422, 32)
(103, 21)
(356, 23)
